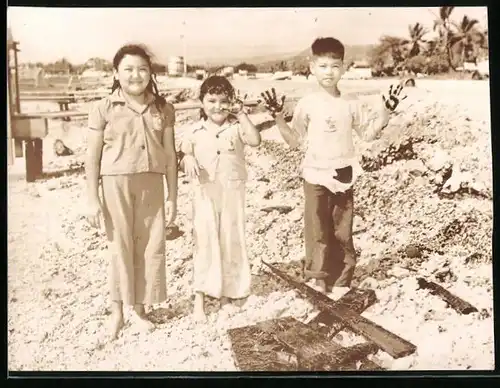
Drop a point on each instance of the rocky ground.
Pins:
(427, 190)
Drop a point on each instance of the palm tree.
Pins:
(442, 25)
(464, 42)
(417, 43)
(389, 54)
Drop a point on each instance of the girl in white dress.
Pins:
(214, 158)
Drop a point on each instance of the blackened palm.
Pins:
(272, 103)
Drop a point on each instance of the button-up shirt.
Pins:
(326, 124)
(133, 140)
(219, 151)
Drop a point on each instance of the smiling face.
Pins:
(327, 70)
(215, 107)
(134, 74)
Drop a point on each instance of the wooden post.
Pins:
(10, 154)
(30, 159)
(18, 144)
(38, 151)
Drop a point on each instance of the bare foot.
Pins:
(115, 323)
(318, 285)
(223, 301)
(199, 308)
(140, 319)
(338, 292)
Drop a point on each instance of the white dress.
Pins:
(221, 265)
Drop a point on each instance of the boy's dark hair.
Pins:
(330, 47)
(216, 84)
(141, 51)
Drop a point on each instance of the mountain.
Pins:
(354, 52)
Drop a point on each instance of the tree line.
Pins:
(456, 43)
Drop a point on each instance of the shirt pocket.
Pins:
(120, 124)
(157, 122)
(226, 144)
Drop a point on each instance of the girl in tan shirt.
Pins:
(130, 149)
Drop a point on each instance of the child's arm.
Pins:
(291, 134)
(188, 162)
(367, 122)
(248, 133)
(95, 143)
(169, 146)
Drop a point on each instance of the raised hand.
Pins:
(272, 103)
(237, 104)
(394, 97)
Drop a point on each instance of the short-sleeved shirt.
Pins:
(325, 124)
(133, 140)
(219, 151)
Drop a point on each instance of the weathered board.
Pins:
(313, 350)
(389, 342)
(357, 300)
(286, 344)
(456, 303)
(257, 350)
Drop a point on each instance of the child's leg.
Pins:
(343, 215)
(116, 320)
(199, 306)
(236, 273)
(149, 236)
(206, 256)
(317, 229)
(118, 211)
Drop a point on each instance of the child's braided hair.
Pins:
(141, 51)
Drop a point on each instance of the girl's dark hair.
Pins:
(328, 47)
(141, 51)
(216, 84)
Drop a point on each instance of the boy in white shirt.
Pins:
(324, 122)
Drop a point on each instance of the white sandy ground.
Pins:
(57, 290)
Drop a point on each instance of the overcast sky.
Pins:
(48, 34)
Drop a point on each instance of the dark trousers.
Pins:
(328, 221)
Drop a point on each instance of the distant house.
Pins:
(93, 73)
(227, 71)
(358, 70)
(31, 75)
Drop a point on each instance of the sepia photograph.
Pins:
(289, 190)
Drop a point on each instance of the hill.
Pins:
(354, 52)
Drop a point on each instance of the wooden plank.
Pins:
(456, 303)
(389, 342)
(83, 93)
(58, 99)
(357, 300)
(256, 350)
(313, 350)
(51, 115)
(81, 114)
(33, 128)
